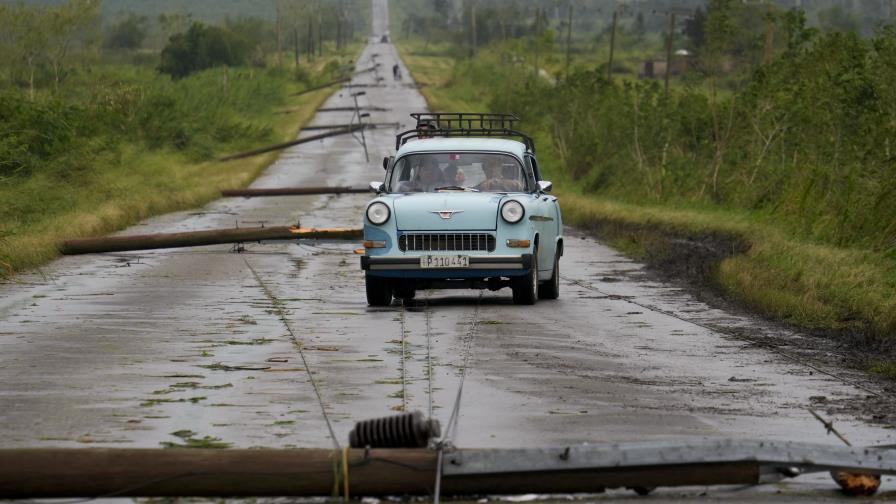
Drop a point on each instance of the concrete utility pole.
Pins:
(669, 46)
(612, 46)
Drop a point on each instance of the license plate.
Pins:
(454, 261)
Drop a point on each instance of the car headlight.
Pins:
(512, 211)
(378, 212)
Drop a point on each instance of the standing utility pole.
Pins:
(669, 51)
(279, 37)
(295, 34)
(473, 29)
(536, 37)
(309, 49)
(568, 35)
(320, 33)
(769, 49)
(612, 46)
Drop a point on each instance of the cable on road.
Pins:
(277, 304)
(427, 314)
(451, 428)
(404, 388)
(754, 341)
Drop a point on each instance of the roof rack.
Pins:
(463, 124)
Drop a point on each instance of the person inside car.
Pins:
(496, 179)
(427, 177)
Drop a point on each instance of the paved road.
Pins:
(125, 349)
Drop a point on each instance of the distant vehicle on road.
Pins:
(462, 206)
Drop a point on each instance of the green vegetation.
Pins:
(93, 137)
(784, 147)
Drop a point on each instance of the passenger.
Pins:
(495, 179)
(454, 176)
(425, 129)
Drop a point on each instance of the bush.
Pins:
(203, 47)
(805, 141)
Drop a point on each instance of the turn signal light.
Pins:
(374, 244)
(518, 243)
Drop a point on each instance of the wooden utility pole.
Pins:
(536, 37)
(338, 31)
(612, 46)
(473, 40)
(201, 238)
(669, 45)
(769, 49)
(295, 33)
(320, 32)
(309, 50)
(568, 35)
(279, 37)
(91, 472)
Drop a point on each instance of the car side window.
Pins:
(530, 160)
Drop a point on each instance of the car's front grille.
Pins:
(418, 242)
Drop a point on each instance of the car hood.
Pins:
(470, 211)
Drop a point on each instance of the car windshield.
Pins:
(453, 171)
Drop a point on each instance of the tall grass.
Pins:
(805, 169)
(122, 143)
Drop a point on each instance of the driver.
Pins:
(427, 177)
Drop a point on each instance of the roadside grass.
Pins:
(780, 273)
(125, 181)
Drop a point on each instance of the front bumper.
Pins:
(481, 266)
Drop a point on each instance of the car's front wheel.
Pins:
(551, 288)
(525, 288)
(379, 291)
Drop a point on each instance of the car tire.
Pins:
(405, 292)
(551, 288)
(379, 291)
(525, 288)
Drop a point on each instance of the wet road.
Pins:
(126, 349)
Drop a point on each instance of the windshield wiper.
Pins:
(456, 188)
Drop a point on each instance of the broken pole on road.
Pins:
(284, 145)
(331, 126)
(322, 86)
(200, 238)
(291, 191)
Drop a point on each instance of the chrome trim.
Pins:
(447, 242)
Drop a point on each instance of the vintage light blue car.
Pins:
(462, 206)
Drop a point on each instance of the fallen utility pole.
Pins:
(322, 86)
(62, 472)
(351, 109)
(291, 191)
(368, 69)
(284, 145)
(347, 125)
(201, 238)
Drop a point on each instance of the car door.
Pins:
(544, 218)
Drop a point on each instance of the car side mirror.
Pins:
(376, 186)
(386, 161)
(545, 185)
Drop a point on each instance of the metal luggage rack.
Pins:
(463, 124)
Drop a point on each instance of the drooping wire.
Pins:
(451, 428)
(277, 304)
(404, 388)
(428, 317)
